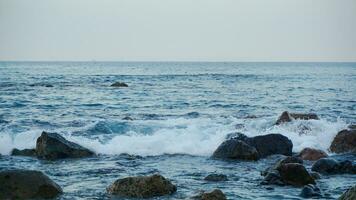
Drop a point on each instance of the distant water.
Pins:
(182, 112)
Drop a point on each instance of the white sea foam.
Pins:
(199, 136)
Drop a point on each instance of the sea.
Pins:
(181, 112)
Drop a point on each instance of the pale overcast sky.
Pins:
(178, 30)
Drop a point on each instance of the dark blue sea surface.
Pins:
(181, 112)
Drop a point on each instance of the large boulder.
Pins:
(213, 195)
(252, 148)
(27, 184)
(236, 149)
(331, 166)
(24, 152)
(312, 154)
(53, 146)
(344, 142)
(287, 117)
(295, 174)
(350, 194)
(142, 187)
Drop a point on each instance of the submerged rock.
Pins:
(213, 195)
(119, 84)
(331, 166)
(242, 147)
(312, 154)
(53, 146)
(142, 187)
(344, 142)
(24, 152)
(287, 117)
(350, 194)
(27, 184)
(295, 174)
(310, 191)
(216, 177)
(127, 118)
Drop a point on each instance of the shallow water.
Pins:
(181, 112)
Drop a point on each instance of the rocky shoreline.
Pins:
(289, 170)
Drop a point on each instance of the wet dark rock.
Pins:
(295, 174)
(310, 191)
(213, 195)
(287, 171)
(142, 187)
(27, 184)
(312, 154)
(119, 84)
(236, 149)
(349, 194)
(216, 177)
(242, 147)
(24, 152)
(287, 117)
(331, 166)
(344, 142)
(53, 146)
(128, 118)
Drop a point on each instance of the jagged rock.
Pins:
(287, 117)
(24, 152)
(216, 177)
(295, 174)
(242, 147)
(344, 142)
(27, 184)
(310, 191)
(53, 146)
(213, 195)
(236, 149)
(350, 194)
(312, 154)
(331, 166)
(119, 84)
(142, 187)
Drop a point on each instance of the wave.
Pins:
(193, 136)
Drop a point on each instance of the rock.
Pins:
(295, 174)
(312, 154)
(27, 184)
(242, 147)
(273, 175)
(119, 84)
(52, 146)
(24, 152)
(310, 191)
(216, 177)
(127, 118)
(350, 194)
(325, 166)
(344, 142)
(271, 144)
(213, 195)
(331, 166)
(142, 187)
(287, 117)
(236, 149)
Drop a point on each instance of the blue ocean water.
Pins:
(182, 111)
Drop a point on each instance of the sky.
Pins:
(178, 30)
